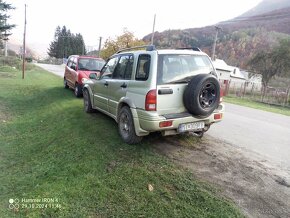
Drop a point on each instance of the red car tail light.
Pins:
(151, 101)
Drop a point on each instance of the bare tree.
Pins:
(272, 63)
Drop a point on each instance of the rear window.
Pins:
(175, 67)
(90, 64)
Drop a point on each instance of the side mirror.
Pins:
(93, 76)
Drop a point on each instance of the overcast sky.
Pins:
(94, 18)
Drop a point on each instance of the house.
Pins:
(235, 79)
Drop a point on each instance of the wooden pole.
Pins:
(100, 45)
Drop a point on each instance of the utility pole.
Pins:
(24, 44)
(100, 45)
(153, 31)
(215, 40)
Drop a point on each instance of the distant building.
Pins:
(234, 78)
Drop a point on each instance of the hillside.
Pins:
(267, 6)
(240, 38)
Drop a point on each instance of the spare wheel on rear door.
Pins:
(201, 96)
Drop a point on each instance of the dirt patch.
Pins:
(257, 186)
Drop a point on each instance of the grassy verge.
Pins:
(257, 105)
(74, 164)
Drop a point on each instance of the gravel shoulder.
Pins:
(258, 187)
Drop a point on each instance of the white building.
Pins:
(234, 78)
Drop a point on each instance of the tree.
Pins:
(126, 40)
(66, 43)
(272, 63)
(4, 26)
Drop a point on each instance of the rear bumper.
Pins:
(146, 122)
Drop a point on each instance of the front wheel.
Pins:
(78, 90)
(87, 102)
(126, 126)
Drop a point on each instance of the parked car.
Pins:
(170, 91)
(78, 69)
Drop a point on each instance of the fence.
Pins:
(254, 91)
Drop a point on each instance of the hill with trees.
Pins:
(267, 6)
(240, 38)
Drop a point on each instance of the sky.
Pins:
(94, 19)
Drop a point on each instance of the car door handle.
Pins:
(124, 85)
(106, 84)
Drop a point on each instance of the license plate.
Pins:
(186, 127)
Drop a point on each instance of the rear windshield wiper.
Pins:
(183, 80)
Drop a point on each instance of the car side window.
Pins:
(109, 67)
(69, 62)
(124, 68)
(74, 63)
(143, 67)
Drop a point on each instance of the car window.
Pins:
(143, 67)
(124, 67)
(74, 63)
(90, 64)
(69, 62)
(178, 67)
(108, 69)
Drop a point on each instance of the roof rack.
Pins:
(190, 48)
(148, 48)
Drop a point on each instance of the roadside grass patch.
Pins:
(52, 149)
(257, 105)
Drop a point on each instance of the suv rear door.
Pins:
(174, 73)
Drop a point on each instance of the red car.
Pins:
(78, 69)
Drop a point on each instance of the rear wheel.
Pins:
(126, 126)
(65, 83)
(87, 102)
(78, 90)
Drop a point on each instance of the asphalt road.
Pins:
(265, 133)
(55, 69)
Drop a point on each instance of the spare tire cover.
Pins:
(202, 95)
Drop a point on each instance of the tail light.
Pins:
(218, 116)
(165, 124)
(150, 101)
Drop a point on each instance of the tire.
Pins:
(126, 126)
(201, 96)
(78, 90)
(65, 83)
(87, 102)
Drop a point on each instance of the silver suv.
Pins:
(170, 91)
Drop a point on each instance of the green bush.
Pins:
(14, 62)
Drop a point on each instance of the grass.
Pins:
(257, 105)
(50, 148)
